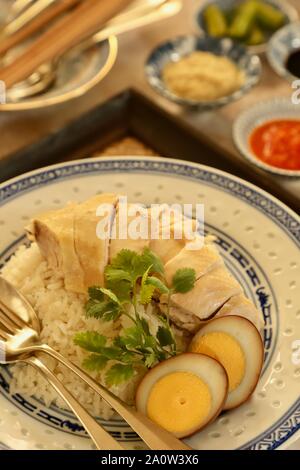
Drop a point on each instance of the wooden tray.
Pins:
(131, 114)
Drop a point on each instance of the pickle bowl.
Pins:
(283, 6)
(182, 46)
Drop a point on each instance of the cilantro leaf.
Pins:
(153, 260)
(110, 294)
(158, 284)
(149, 343)
(118, 343)
(95, 362)
(147, 261)
(116, 274)
(106, 310)
(184, 280)
(124, 260)
(95, 308)
(146, 293)
(164, 336)
(119, 373)
(95, 293)
(112, 312)
(128, 357)
(90, 341)
(128, 276)
(150, 360)
(112, 353)
(122, 289)
(145, 276)
(145, 326)
(132, 337)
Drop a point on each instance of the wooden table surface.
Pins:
(18, 129)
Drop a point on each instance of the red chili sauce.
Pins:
(277, 143)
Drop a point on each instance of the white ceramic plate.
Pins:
(247, 121)
(259, 238)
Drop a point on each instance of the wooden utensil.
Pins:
(86, 19)
(23, 27)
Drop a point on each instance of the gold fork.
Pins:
(20, 329)
(102, 439)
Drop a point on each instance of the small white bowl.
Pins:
(282, 44)
(256, 116)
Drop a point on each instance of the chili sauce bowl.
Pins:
(258, 115)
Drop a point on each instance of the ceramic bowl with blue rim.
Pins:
(258, 115)
(259, 239)
(175, 49)
(283, 43)
(284, 6)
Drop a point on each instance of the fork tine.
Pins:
(7, 323)
(11, 315)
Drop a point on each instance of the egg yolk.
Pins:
(179, 402)
(226, 350)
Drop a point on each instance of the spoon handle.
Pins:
(101, 438)
(153, 435)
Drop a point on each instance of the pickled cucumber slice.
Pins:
(269, 17)
(215, 21)
(256, 37)
(244, 20)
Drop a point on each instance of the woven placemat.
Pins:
(126, 146)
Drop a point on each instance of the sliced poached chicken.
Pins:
(93, 251)
(201, 260)
(54, 233)
(243, 307)
(123, 225)
(172, 232)
(210, 292)
(67, 238)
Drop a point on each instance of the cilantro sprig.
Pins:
(131, 279)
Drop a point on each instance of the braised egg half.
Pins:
(236, 343)
(183, 394)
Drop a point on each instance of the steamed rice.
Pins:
(62, 316)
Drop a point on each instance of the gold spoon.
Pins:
(20, 330)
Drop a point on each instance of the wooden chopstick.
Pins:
(83, 21)
(26, 16)
(35, 24)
